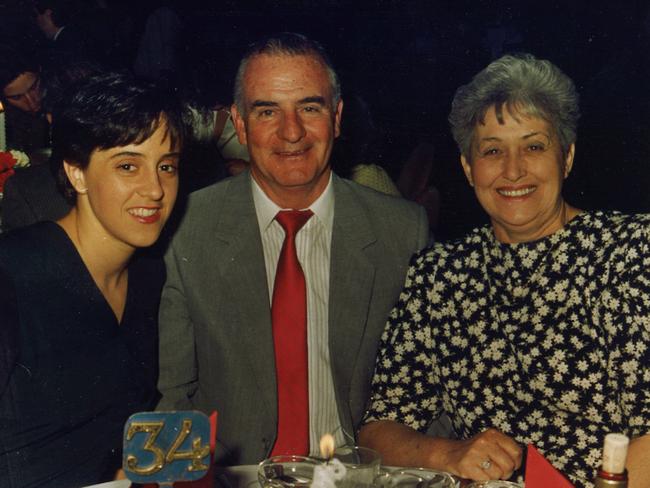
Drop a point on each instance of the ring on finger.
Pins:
(487, 464)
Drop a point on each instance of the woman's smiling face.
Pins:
(517, 169)
(130, 190)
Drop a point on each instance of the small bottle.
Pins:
(612, 473)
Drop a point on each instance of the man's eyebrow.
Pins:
(31, 87)
(315, 99)
(263, 103)
(303, 101)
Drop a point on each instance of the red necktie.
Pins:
(289, 316)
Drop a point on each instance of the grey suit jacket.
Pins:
(216, 343)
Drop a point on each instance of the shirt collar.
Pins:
(266, 209)
(57, 33)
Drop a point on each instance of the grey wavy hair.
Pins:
(286, 44)
(525, 85)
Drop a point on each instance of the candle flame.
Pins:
(327, 446)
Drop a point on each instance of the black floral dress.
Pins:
(546, 341)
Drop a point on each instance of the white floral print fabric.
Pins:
(546, 341)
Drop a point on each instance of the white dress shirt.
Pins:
(313, 246)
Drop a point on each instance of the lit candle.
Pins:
(327, 446)
(3, 134)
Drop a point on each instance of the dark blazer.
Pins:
(71, 375)
(216, 343)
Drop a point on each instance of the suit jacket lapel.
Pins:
(240, 260)
(351, 282)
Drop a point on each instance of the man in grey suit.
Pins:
(216, 336)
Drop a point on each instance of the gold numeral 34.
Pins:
(196, 454)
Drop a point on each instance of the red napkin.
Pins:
(541, 474)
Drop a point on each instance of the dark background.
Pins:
(405, 59)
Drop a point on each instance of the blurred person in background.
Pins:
(68, 28)
(31, 194)
(26, 128)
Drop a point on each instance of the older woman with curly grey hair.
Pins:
(534, 329)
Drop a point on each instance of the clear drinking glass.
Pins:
(415, 478)
(286, 472)
(361, 464)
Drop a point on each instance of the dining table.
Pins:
(244, 476)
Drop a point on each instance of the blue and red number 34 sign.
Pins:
(163, 447)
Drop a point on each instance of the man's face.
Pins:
(289, 126)
(45, 22)
(41, 19)
(24, 92)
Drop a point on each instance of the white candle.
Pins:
(326, 475)
(3, 134)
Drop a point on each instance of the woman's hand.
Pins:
(400, 445)
(638, 461)
(489, 455)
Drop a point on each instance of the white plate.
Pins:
(112, 484)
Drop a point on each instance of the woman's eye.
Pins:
(491, 151)
(168, 168)
(536, 147)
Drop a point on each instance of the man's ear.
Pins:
(568, 160)
(76, 177)
(467, 168)
(337, 118)
(240, 125)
